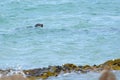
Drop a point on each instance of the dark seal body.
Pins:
(38, 25)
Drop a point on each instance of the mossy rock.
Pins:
(31, 78)
(115, 64)
(71, 66)
(87, 67)
(52, 68)
(44, 73)
(32, 72)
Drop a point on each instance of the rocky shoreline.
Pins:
(45, 72)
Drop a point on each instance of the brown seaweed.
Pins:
(46, 72)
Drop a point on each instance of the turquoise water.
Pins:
(75, 31)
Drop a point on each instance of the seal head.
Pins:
(38, 25)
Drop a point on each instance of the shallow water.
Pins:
(79, 76)
(75, 31)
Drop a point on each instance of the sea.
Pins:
(74, 31)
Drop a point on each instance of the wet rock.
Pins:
(69, 67)
(115, 64)
(46, 72)
(32, 72)
(86, 67)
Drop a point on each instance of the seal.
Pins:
(38, 25)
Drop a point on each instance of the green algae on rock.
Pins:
(45, 72)
(115, 64)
